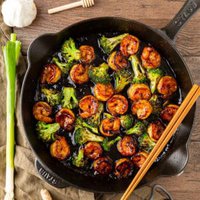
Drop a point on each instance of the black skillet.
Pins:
(163, 40)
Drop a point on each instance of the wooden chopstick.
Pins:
(164, 139)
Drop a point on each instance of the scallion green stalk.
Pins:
(11, 52)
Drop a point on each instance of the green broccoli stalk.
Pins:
(78, 159)
(47, 131)
(122, 78)
(107, 115)
(156, 104)
(69, 98)
(64, 66)
(139, 72)
(53, 97)
(70, 52)
(82, 123)
(108, 44)
(100, 74)
(126, 121)
(95, 119)
(106, 144)
(138, 129)
(146, 143)
(154, 76)
(83, 135)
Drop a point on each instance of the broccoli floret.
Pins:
(47, 131)
(83, 135)
(70, 52)
(146, 143)
(156, 104)
(139, 72)
(78, 159)
(64, 66)
(100, 74)
(95, 119)
(53, 97)
(126, 121)
(69, 98)
(138, 129)
(122, 78)
(107, 144)
(154, 76)
(82, 123)
(108, 44)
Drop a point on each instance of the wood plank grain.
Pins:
(193, 63)
(186, 186)
(155, 13)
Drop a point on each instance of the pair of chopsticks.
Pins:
(183, 110)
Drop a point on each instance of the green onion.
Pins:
(11, 52)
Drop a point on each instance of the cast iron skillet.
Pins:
(163, 40)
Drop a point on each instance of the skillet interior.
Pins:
(44, 46)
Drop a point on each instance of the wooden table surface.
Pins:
(156, 13)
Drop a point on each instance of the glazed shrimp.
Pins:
(127, 146)
(117, 105)
(51, 74)
(150, 58)
(142, 109)
(60, 149)
(117, 61)
(88, 106)
(93, 150)
(129, 45)
(79, 74)
(103, 92)
(102, 165)
(109, 127)
(167, 86)
(138, 92)
(87, 54)
(42, 111)
(66, 118)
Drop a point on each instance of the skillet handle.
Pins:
(188, 9)
(48, 177)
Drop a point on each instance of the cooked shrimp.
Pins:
(155, 130)
(139, 158)
(116, 61)
(102, 165)
(127, 146)
(168, 112)
(150, 58)
(123, 168)
(66, 118)
(167, 86)
(87, 54)
(109, 127)
(139, 91)
(42, 111)
(93, 150)
(103, 92)
(79, 74)
(129, 45)
(88, 106)
(117, 105)
(51, 74)
(142, 109)
(60, 149)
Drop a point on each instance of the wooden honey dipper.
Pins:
(84, 3)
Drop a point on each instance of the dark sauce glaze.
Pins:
(86, 89)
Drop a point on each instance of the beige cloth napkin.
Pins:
(27, 181)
